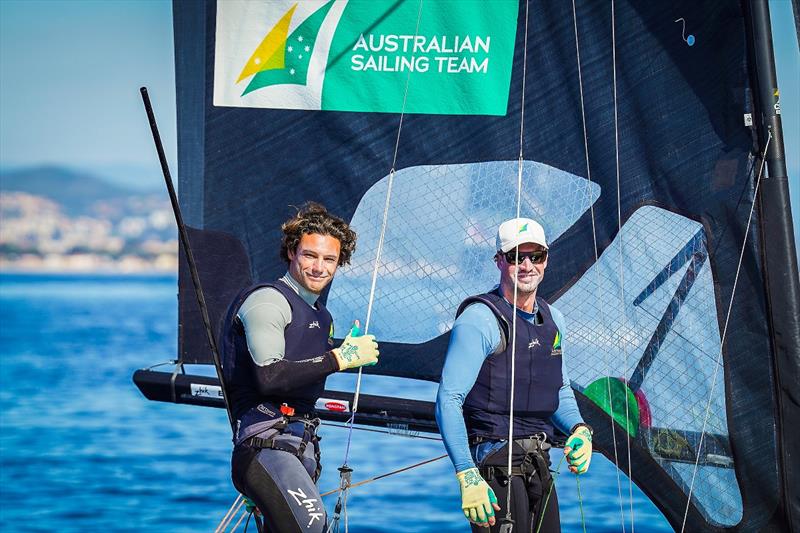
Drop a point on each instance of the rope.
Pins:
(376, 478)
(596, 258)
(385, 432)
(580, 502)
(516, 278)
(342, 501)
(620, 255)
(380, 244)
(549, 492)
(725, 331)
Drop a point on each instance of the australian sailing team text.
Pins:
(425, 51)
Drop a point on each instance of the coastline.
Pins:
(87, 274)
(90, 264)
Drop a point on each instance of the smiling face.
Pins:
(314, 261)
(528, 274)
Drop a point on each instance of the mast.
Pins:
(780, 263)
(187, 249)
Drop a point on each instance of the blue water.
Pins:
(82, 450)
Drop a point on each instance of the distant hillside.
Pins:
(136, 177)
(76, 191)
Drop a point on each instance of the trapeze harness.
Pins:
(538, 378)
(273, 432)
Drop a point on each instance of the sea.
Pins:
(82, 450)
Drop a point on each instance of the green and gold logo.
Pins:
(556, 345)
(382, 56)
(283, 58)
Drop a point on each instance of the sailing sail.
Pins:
(640, 153)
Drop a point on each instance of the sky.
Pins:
(70, 71)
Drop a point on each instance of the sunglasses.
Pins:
(535, 257)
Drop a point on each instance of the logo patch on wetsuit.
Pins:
(311, 505)
(556, 345)
(314, 324)
(533, 343)
(264, 409)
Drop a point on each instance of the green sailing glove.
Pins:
(356, 349)
(578, 449)
(477, 498)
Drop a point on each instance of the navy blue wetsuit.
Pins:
(276, 458)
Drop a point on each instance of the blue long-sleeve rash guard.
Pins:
(476, 335)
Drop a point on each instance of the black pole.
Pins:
(176, 209)
(780, 266)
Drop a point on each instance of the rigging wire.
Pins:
(386, 432)
(699, 349)
(382, 476)
(508, 525)
(620, 255)
(712, 252)
(384, 224)
(232, 510)
(170, 362)
(244, 514)
(725, 330)
(596, 259)
(344, 470)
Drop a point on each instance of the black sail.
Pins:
(645, 239)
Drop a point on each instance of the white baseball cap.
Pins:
(516, 231)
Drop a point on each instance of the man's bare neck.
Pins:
(525, 301)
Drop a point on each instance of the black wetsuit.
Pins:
(275, 459)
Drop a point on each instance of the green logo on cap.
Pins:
(523, 229)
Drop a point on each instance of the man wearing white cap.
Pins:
(472, 406)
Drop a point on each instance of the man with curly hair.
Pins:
(277, 354)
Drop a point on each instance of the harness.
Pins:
(275, 442)
(529, 459)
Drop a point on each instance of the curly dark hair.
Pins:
(312, 217)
